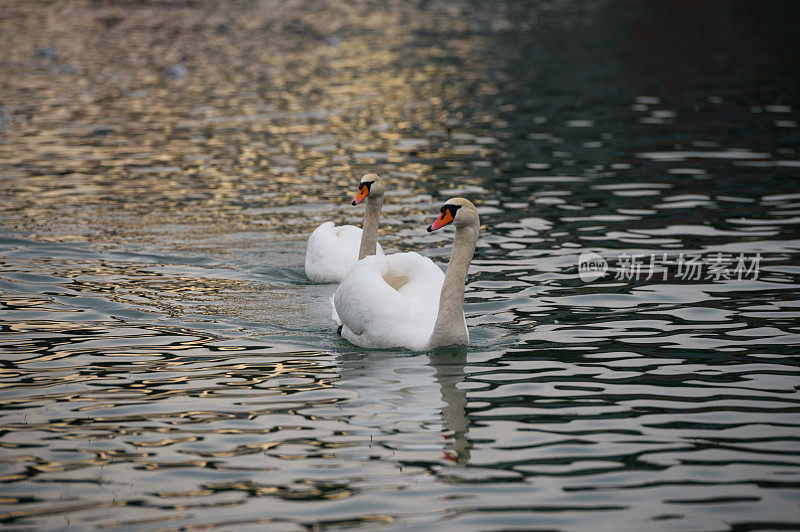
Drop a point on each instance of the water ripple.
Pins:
(167, 366)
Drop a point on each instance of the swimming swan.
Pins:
(332, 250)
(404, 299)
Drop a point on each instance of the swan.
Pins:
(331, 250)
(404, 299)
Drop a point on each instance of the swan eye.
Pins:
(452, 208)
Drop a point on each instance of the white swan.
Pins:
(404, 299)
(331, 251)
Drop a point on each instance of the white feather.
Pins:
(331, 252)
(389, 301)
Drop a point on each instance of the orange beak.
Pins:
(363, 192)
(445, 218)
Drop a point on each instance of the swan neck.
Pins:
(369, 233)
(449, 328)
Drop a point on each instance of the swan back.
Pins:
(390, 301)
(331, 251)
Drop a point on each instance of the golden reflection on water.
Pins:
(113, 150)
(113, 146)
(116, 368)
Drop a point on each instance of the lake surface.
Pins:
(166, 365)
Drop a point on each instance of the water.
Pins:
(167, 367)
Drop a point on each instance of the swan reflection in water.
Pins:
(410, 404)
(449, 365)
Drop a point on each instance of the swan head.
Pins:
(370, 185)
(457, 211)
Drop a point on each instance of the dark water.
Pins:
(167, 367)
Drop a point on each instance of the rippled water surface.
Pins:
(166, 365)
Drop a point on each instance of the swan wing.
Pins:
(331, 251)
(390, 301)
(334, 315)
